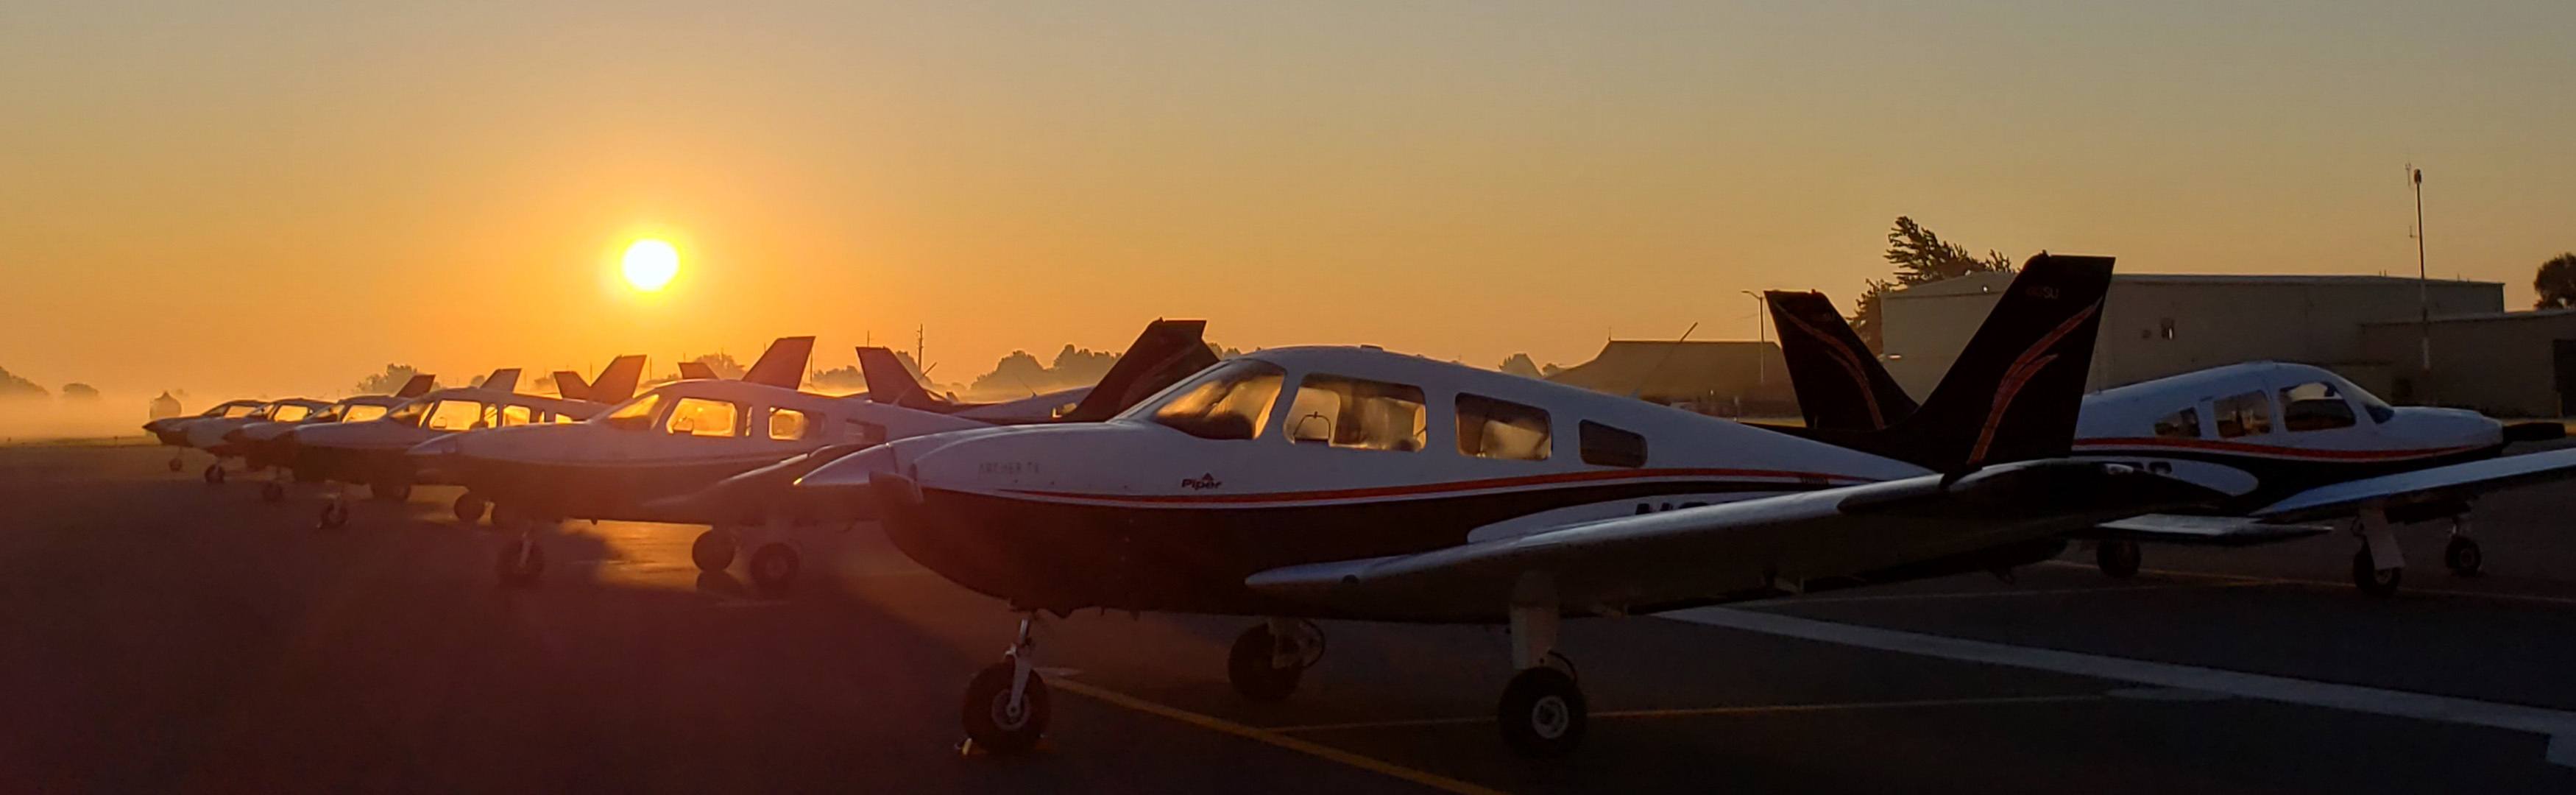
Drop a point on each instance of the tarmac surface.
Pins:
(161, 635)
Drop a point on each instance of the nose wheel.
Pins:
(1268, 659)
(713, 550)
(2463, 557)
(214, 474)
(1005, 710)
(335, 514)
(1542, 713)
(176, 464)
(469, 508)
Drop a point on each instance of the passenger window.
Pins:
(1489, 428)
(856, 432)
(704, 417)
(560, 418)
(453, 415)
(1229, 401)
(1611, 447)
(2184, 424)
(410, 413)
(636, 415)
(362, 412)
(787, 425)
(2314, 406)
(515, 415)
(1358, 414)
(2249, 414)
(289, 412)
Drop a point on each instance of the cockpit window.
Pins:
(410, 413)
(2379, 410)
(289, 412)
(705, 417)
(2249, 414)
(1357, 414)
(361, 412)
(2184, 424)
(2314, 406)
(636, 415)
(1489, 428)
(456, 415)
(238, 411)
(1607, 446)
(1229, 401)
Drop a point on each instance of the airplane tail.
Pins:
(694, 370)
(783, 365)
(1167, 352)
(2015, 391)
(505, 379)
(419, 385)
(617, 381)
(1840, 384)
(890, 382)
(569, 386)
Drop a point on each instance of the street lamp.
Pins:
(1761, 334)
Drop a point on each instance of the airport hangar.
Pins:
(2367, 328)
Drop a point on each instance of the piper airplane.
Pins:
(1334, 482)
(213, 433)
(2289, 446)
(173, 431)
(257, 441)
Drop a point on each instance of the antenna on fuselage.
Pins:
(1659, 363)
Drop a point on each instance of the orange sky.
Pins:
(281, 197)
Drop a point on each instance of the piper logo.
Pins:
(1202, 482)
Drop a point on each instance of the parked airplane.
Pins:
(891, 383)
(173, 431)
(211, 434)
(2286, 444)
(257, 441)
(1331, 482)
(371, 453)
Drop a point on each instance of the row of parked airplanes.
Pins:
(1303, 483)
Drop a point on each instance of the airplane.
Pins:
(173, 431)
(211, 434)
(2290, 446)
(891, 383)
(371, 452)
(257, 440)
(690, 436)
(1390, 487)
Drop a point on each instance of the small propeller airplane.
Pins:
(173, 431)
(257, 441)
(372, 452)
(213, 434)
(2289, 446)
(1337, 482)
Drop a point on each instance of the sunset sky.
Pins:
(279, 197)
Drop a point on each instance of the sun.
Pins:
(650, 264)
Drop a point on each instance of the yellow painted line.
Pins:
(2403, 589)
(1686, 712)
(1273, 738)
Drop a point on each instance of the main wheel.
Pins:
(389, 491)
(469, 508)
(1252, 666)
(215, 474)
(176, 464)
(335, 515)
(2463, 556)
(272, 491)
(713, 550)
(2370, 578)
(521, 561)
(2118, 560)
(773, 567)
(993, 722)
(1542, 713)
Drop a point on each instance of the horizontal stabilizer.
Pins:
(2195, 530)
(2456, 481)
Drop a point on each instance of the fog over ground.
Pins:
(27, 419)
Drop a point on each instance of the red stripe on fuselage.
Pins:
(2269, 450)
(1452, 486)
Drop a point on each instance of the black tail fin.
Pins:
(617, 381)
(1840, 384)
(696, 370)
(569, 386)
(783, 365)
(419, 385)
(890, 382)
(505, 379)
(2015, 391)
(1167, 352)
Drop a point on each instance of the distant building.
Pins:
(165, 406)
(2155, 325)
(2508, 364)
(1725, 378)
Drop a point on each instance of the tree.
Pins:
(384, 383)
(12, 387)
(1920, 257)
(77, 391)
(2556, 282)
(1521, 365)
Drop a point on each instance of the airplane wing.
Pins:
(2456, 481)
(1880, 531)
(2216, 531)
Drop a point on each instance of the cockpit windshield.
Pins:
(1229, 401)
(361, 412)
(240, 410)
(633, 415)
(289, 412)
(2379, 410)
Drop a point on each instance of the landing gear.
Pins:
(773, 567)
(1542, 712)
(2378, 566)
(272, 491)
(215, 474)
(521, 561)
(713, 550)
(1268, 659)
(335, 514)
(469, 508)
(2118, 560)
(1005, 710)
(2462, 553)
(176, 464)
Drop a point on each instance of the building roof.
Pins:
(2469, 317)
(1670, 369)
(1990, 282)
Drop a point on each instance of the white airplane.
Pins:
(1352, 483)
(2289, 445)
(211, 434)
(371, 453)
(173, 431)
(256, 441)
(688, 436)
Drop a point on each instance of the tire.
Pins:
(335, 515)
(1542, 713)
(1250, 667)
(176, 464)
(469, 508)
(214, 474)
(272, 492)
(2367, 576)
(2118, 560)
(774, 566)
(520, 562)
(714, 549)
(988, 721)
(2464, 557)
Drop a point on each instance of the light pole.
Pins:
(2423, 289)
(1761, 334)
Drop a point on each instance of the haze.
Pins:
(272, 197)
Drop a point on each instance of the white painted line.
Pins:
(2558, 726)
